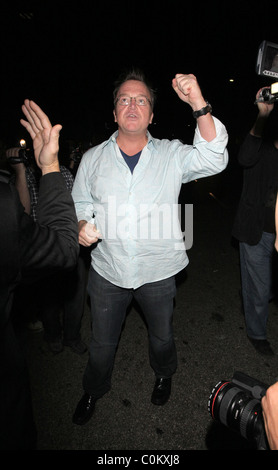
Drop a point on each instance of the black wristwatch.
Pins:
(203, 111)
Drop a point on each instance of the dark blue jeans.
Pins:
(256, 280)
(108, 308)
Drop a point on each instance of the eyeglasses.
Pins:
(139, 100)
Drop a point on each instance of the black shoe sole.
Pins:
(81, 415)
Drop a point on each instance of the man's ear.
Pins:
(115, 116)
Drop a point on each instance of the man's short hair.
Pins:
(134, 74)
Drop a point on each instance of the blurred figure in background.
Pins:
(254, 224)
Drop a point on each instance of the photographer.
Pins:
(254, 225)
(27, 175)
(30, 249)
(75, 159)
(13, 155)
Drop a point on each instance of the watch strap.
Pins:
(203, 111)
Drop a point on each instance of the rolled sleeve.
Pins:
(206, 158)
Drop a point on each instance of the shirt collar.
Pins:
(113, 137)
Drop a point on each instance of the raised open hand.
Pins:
(45, 137)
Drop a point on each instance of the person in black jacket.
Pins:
(29, 249)
(254, 224)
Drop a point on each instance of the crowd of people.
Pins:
(114, 196)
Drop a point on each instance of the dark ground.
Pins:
(211, 344)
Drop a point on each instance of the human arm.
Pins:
(21, 185)
(53, 242)
(84, 205)
(188, 90)
(264, 109)
(270, 415)
(54, 239)
(251, 149)
(31, 249)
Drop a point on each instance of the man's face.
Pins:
(133, 118)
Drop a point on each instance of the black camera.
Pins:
(76, 155)
(25, 155)
(267, 60)
(267, 66)
(237, 405)
(269, 94)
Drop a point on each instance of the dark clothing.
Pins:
(132, 160)
(256, 211)
(68, 294)
(33, 177)
(60, 290)
(28, 249)
(108, 308)
(256, 268)
(254, 227)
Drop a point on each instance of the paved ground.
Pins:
(211, 343)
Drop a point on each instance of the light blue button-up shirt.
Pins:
(138, 214)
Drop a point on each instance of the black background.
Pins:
(66, 56)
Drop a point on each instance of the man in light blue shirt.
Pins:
(126, 198)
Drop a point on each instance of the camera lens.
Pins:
(266, 94)
(237, 409)
(26, 156)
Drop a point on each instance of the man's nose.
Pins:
(132, 102)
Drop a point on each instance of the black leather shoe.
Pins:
(262, 346)
(84, 409)
(161, 391)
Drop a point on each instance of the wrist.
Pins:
(19, 168)
(263, 114)
(205, 109)
(81, 224)
(45, 169)
(199, 105)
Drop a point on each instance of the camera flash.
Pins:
(274, 88)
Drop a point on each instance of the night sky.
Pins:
(66, 56)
